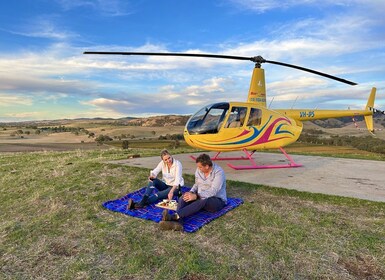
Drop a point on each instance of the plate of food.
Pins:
(167, 204)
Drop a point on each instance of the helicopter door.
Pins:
(236, 117)
(255, 117)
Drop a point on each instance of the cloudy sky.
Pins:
(45, 75)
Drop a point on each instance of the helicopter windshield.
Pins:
(208, 120)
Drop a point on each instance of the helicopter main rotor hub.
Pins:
(258, 59)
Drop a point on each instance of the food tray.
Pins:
(166, 205)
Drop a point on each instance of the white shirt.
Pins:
(172, 176)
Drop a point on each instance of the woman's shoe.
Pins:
(165, 215)
(131, 204)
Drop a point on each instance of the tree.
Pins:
(125, 144)
(175, 144)
(102, 138)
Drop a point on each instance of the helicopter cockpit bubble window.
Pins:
(236, 117)
(255, 117)
(208, 120)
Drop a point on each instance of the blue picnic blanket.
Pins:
(153, 213)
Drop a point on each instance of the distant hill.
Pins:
(379, 121)
(156, 121)
(160, 121)
(179, 120)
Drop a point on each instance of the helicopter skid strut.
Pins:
(254, 165)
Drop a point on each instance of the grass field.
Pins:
(54, 227)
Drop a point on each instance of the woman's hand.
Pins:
(171, 194)
(151, 177)
(189, 196)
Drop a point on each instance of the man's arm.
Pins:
(194, 188)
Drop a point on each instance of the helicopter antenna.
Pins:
(258, 60)
(294, 102)
(271, 102)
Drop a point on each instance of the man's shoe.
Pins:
(131, 204)
(165, 215)
(170, 225)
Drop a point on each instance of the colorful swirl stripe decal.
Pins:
(254, 136)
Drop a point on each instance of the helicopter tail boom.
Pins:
(300, 115)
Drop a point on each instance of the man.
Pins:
(208, 193)
(168, 187)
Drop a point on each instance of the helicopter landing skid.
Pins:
(252, 161)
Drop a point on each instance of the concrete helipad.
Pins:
(364, 179)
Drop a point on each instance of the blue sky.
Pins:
(44, 74)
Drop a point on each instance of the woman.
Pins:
(167, 187)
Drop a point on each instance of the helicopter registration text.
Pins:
(304, 114)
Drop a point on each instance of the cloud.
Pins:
(108, 8)
(261, 6)
(104, 102)
(42, 27)
(210, 85)
(10, 100)
(24, 116)
(167, 100)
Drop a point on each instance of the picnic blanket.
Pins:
(153, 213)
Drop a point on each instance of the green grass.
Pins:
(52, 226)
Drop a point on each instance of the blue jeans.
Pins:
(161, 188)
(211, 204)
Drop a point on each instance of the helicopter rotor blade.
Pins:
(312, 71)
(175, 54)
(255, 59)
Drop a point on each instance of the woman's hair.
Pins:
(163, 153)
(204, 159)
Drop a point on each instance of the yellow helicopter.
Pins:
(250, 126)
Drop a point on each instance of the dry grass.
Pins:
(65, 141)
